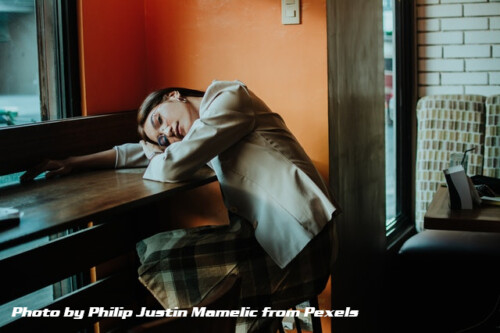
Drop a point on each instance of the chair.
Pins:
(453, 278)
(446, 124)
(223, 297)
(492, 137)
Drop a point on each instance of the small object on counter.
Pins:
(491, 200)
(491, 182)
(485, 191)
(9, 217)
(463, 194)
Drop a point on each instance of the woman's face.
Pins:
(171, 120)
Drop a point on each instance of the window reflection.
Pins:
(19, 84)
(390, 114)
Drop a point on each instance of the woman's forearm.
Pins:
(101, 160)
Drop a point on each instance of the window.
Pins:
(19, 82)
(38, 49)
(400, 94)
(38, 62)
(390, 123)
(39, 81)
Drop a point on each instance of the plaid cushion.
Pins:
(181, 267)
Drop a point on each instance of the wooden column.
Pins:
(357, 167)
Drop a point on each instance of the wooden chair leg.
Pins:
(297, 322)
(316, 321)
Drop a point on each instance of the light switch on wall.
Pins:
(290, 11)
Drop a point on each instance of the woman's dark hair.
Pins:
(156, 98)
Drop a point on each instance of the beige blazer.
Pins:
(264, 174)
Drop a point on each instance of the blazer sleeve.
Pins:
(130, 155)
(225, 118)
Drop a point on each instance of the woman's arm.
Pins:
(101, 160)
(227, 119)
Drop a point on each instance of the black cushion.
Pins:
(451, 277)
(437, 245)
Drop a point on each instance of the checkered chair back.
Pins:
(446, 124)
(491, 166)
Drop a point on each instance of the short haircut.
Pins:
(156, 98)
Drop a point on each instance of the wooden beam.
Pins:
(31, 270)
(26, 145)
(357, 158)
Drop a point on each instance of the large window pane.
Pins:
(19, 83)
(400, 102)
(390, 114)
(39, 70)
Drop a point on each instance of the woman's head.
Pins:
(166, 115)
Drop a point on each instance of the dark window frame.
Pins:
(59, 80)
(406, 97)
(58, 58)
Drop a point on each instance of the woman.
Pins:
(276, 199)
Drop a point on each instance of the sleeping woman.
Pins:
(281, 238)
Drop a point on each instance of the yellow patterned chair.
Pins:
(446, 124)
(491, 158)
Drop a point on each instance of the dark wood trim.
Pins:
(62, 262)
(58, 58)
(26, 145)
(45, 42)
(357, 158)
(68, 59)
(406, 97)
(107, 293)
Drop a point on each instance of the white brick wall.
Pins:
(440, 11)
(495, 78)
(428, 25)
(430, 51)
(495, 23)
(464, 78)
(475, 23)
(467, 51)
(458, 47)
(429, 78)
(483, 9)
(439, 38)
(496, 51)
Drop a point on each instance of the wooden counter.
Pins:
(52, 205)
(116, 201)
(440, 216)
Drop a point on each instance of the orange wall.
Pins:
(112, 55)
(191, 42)
(135, 46)
(132, 47)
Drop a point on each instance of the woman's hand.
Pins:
(102, 160)
(54, 168)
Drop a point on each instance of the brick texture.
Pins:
(458, 47)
